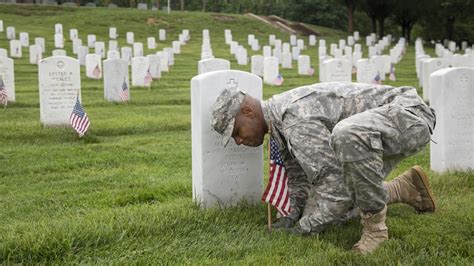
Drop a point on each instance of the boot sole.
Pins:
(424, 179)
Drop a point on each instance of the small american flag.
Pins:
(124, 92)
(3, 93)
(148, 78)
(279, 80)
(354, 70)
(96, 71)
(377, 79)
(276, 192)
(311, 71)
(392, 73)
(78, 119)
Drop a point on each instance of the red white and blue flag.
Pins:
(96, 71)
(311, 71)
(148, 78)
(279, 80)
(124, 91)
(276, 192)
(377, 79)
(3, 93)
(78, 119)
(392, 73)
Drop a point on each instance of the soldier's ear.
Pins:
(248, 111)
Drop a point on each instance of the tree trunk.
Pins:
(404, 32)
(450, 28)
(158, 4)
(350, 16)
(374, 24)
(381, 27)
(204, 5)
(409, 32)
(182, 5)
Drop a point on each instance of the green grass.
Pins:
(122, 194)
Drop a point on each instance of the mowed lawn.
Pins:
(123, 193)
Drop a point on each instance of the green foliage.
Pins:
(123, 193)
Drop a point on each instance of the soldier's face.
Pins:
(248, 129)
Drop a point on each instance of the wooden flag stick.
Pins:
(269, 213)
(269, 206)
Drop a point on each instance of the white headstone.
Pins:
(164, 66)
(99, 48)
(176, 47)
(312, 40)
(59, 87)
(15, 49)
(91, 38)
(295, 52)
(304, 65)
(137, 49)
(126, 53)
(58, 41)
(337, 70)
(169, 51)
(366, 71)
(58, 28)
(116, 80)
(452, 96)
(430, 66)
(141, 75)
(267, 51)
(222, 176)
(155, 63)
(242, 57)
(81, 55)
(286, 60)
(3, 52)
(24, 39)
(59, 52)
(40, 42)
(73, 34)
(257, 65)
(293, 40)
(162, 35)
(76, 44)
(114, 55)
(7, 75)
(11, 35)
(113, 33)
(271, 39)
(213, 64)
(130, 38)
(151, 43)
(300, 44)
(113, 45)
(1, 25)
(322, 43)
(94, 66)
(270, 70)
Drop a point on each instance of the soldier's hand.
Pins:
(284, 222)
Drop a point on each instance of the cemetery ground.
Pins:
(123, 193)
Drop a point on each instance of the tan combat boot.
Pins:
(412, 187)
(375, 232)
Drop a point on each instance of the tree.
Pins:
(378, 11)
(350, 6)
(407, 13)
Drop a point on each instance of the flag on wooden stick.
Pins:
(277, 193)
(78, 119)
(3, 93)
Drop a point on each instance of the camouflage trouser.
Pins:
(370, 144)
(319, 196)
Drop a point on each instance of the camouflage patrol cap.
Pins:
(225, 108)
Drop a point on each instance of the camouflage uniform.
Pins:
(340, 140)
